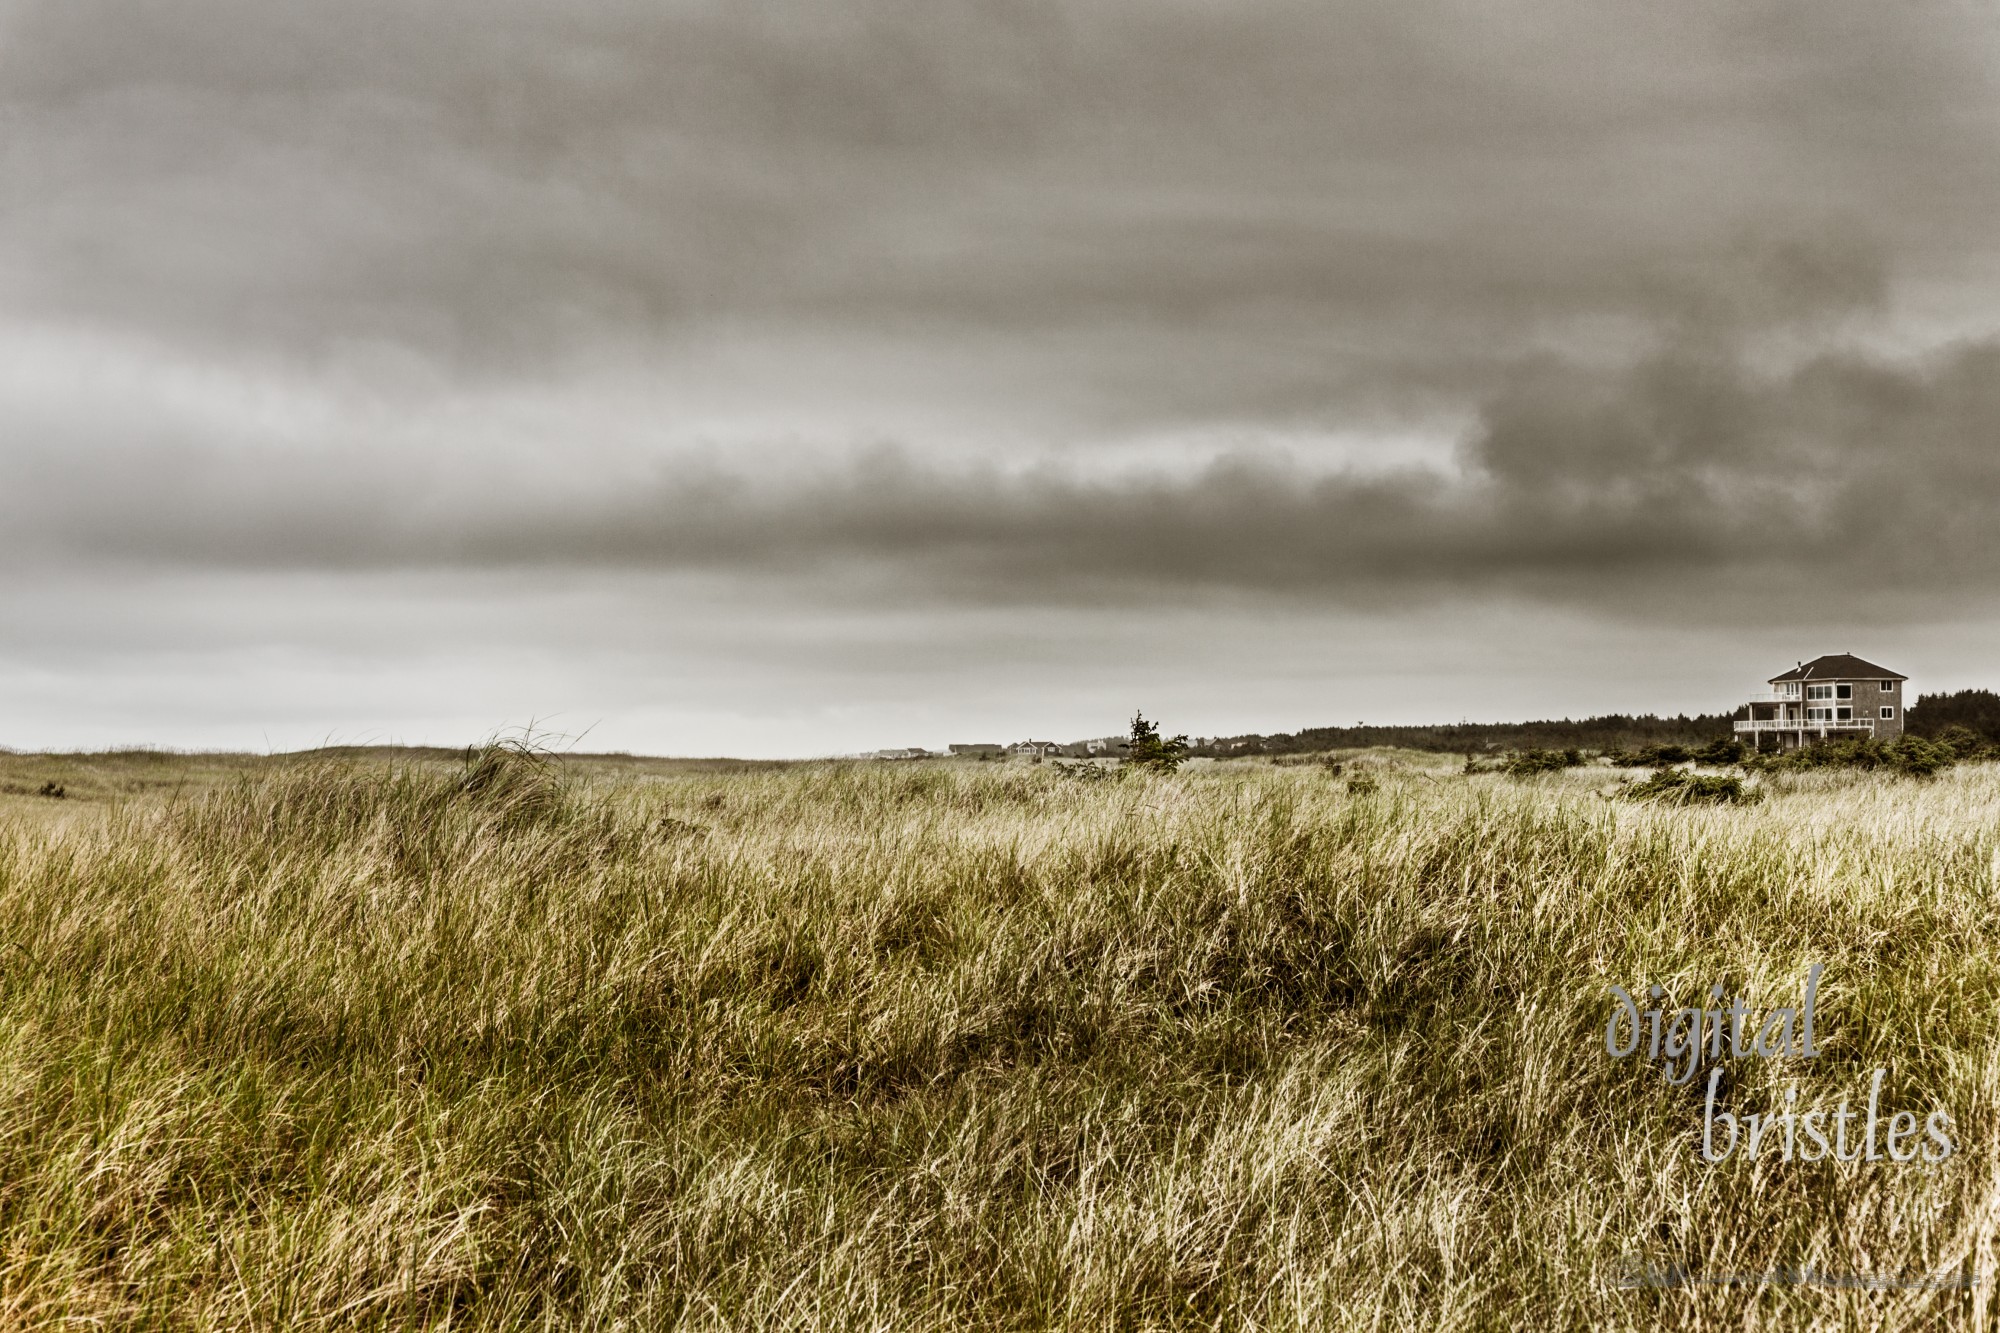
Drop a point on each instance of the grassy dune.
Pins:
(353, 1042)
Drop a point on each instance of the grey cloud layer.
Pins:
(1592, 227)
(1684, 477)
(525, 181)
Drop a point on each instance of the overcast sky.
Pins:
(786, 379)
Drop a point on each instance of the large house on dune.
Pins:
(1837, 697)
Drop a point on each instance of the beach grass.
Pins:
(506, 1041)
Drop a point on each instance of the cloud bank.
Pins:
(1611, 309)
(1683, 474)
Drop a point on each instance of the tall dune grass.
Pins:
(352, 1045)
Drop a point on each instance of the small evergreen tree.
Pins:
(1148, 751)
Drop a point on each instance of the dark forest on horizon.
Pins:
(1977, 710)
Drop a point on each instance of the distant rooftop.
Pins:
(1838, 666)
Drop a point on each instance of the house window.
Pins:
(1843, 714)
(1888, 686)
(1819, 691)
(1887, 712)
(1843, 691)
(1819, 714)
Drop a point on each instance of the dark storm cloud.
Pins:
(1685, 479)
(1601, 231)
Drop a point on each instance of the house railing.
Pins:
(1775, 724)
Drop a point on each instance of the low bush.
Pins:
(1530, 762)
(1722, 750)
(1912, 756)
(1651, 756)
(1680, 787)
(1088, 773)
(1965, 743)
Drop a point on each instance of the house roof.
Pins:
(1838, 666)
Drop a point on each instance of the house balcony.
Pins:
(1818, 728)
(1773, 697)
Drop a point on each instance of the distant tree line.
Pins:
(1977, 711)
(1614, 731)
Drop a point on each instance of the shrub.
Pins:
(1530, 762)
(1912, 756)
(1964, 743)
(1721, 750)
(1088, 773)
(1824, 754)
(1680, 787)
(1919, 758)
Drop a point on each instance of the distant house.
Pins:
(910, 752)
(1834, 697)
(1035, 750)
(978, 751)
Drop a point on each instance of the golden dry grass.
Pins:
(354, 1042)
